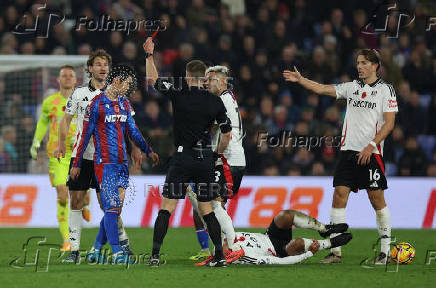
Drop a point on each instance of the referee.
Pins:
(195, 111)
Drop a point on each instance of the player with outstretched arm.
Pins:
(369, 119)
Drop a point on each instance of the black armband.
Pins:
(225, 127)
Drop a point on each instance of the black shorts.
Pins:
(86, 179)
(229, 179)
(348, 173)
(191, 166)
(279, 238)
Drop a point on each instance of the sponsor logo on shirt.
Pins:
(392, 103)
(363, 95)
(115, 118)
(361, 103)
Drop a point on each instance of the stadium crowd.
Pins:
(257, 40)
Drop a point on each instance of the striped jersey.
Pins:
(108, 122)
(366, 104)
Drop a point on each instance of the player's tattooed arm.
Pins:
(318, 88)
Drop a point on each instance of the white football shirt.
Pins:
(234, 152)
(76, 105)
(256, 246)
(364, 116)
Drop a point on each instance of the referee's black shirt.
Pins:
(194, 112)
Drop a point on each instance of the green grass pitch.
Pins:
(179, 271)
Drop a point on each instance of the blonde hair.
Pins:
(218, 69)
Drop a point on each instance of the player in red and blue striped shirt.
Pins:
(108, 118)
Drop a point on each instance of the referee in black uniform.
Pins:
(195, 111)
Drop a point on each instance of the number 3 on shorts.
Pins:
(374, 176)
(217, 176)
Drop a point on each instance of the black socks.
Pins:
(214, 229)
(160, 230)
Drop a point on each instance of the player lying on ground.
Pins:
(53, 108)
(108, 119)
(369, 119)
(276, 246)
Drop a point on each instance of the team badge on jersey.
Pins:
(87, 112)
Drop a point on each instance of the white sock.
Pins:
(194, 202)
(226, 224)
(121, 231)
(384, 228)
(337, 215)
(287, 260)
(75, 228)
(307, 243)
(302, 220)
(324, 244)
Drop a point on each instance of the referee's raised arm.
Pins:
(150, 68)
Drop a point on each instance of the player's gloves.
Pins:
(34, 148)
